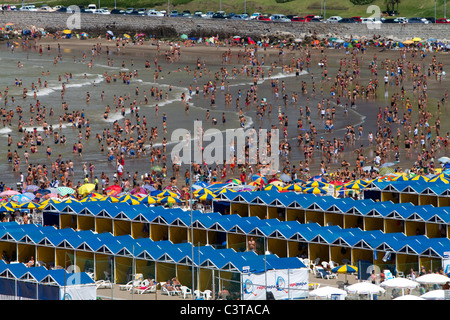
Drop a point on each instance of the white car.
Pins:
(154, 13)
(102, 11)
(209, 14)
(279, 18)
(370, 20)
(30, 7)
(91, 8)
(334, 19)
(46, 8)
(255, 15)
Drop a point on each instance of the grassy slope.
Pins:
(343, 8)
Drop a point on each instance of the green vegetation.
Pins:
(344, 8)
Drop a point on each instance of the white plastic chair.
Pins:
(185, 291)
(333, 264)
(207, 294)
(198, 294)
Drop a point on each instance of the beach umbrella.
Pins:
(444, 159)
(276, 183)
(20, 198)
(364, 288)
(408, 42)
(327, 292)
(386, 170)
(202, 191)
(416, 39)
(409, 297)
(339, 41)
(387, 164)
(148, 187)
(293, 187)
(110, 33)
(440, 178)
(315, 190)
(84, 35)
(167, 193)
(298, 40)
(420, 178)
(148, 200)
(355, 185)
(126, 36)
(131, 201)
(333, 39)
(257, 176)
(399, 283)
(184, 37)
(285, 178)
(70, 200)
(6, 208)
(67, 31)
(168, 200)
(272, 187)
(345, 269)
(8, 193)
(29, 195)
(28, 205)
(433, 278)
(110, 199)
(318, 178)
(31, 188)
(434, 295)
(401, 177)
(86, 188)
(115, 188)
(259, 181)
(236, 181)
(63, 191)
(205, 197)
(88, 199)
(318, 184)
(225, 191)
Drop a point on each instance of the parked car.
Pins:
(356, 18)
(174, 13)
(334, 19)
(91, 8)
(154, 13)
(315, 20)
(346, 20)
(240, 17)
(118, 11)
(102, 11)
(219, 15)
(30, 7)
(255, 15)
(298, 19)
(263, 17)
(370, 21)
(129, 10)
(401, 20)
(442, 20)
(209, 14)
(418, 20)
(309, 17)
(46, 8)
(279, 18)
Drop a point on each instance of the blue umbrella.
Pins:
(20, 198)
(42, 191)
(29, 195)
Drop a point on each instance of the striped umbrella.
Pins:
(63, 191)
(273, 187)
(224, 190)
(420, 178)
(6, 208)
(167, 193)
(440, 178)
(316, 183)
(202, 191)
(131, 201)
(169, 200)
(236, 181)
(148, 200)
(205, 197)
(28, 205)
(293, 187)
(354, 185)
(315, 190)
(401, 177)
(70, 200)
(110, 199)
(346, 269)
(88, 199)
(260, 181)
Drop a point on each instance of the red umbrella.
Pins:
(113, 190)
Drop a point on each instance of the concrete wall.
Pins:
(167, 27)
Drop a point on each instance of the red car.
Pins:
(309, 17)
(298, 19)
(442, 20)
(263, 17)
(357, 19)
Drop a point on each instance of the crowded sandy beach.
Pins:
(99, 113)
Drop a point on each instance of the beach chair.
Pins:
(145, 289)
(130, 285)
(185, 291)
(165, 291)
(333, 264)
(198, 295)
(103, 284)
(207, 295)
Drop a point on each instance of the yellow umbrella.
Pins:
(126, 36)
(148, 200)
(86, 188)
(167, 193)
(273, 187)
(28, 205)
(67, 31)
(169, 200)
(416, 39)
(408, 42)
